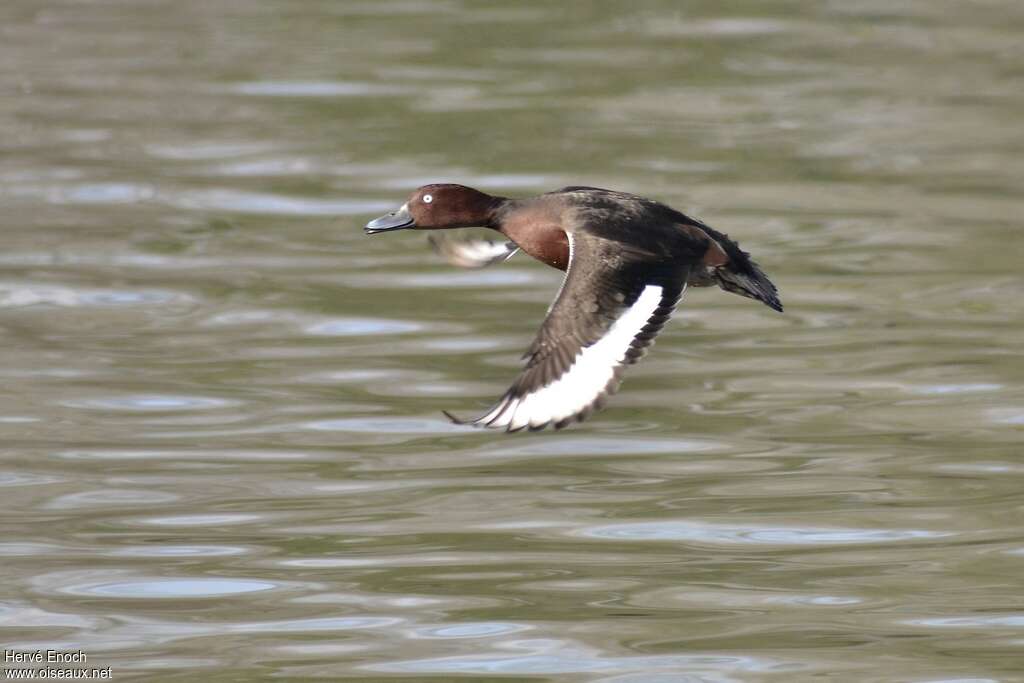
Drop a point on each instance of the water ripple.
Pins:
(150, 402)
(159, 587)
(504, 181)
(204, 151)
(315, 624)
(169, 551)
(482, 629)
(317, 89)
(84, 193)
(26, 294)
(388, 425)
(1015, 621)
(355, 327)
(754, 534)
(588, 446)
(448, 279)
(8, 478)
(966, 388)
(211, 519)
(185, 454)
(546, 656)
(110, 498)
(239, 201)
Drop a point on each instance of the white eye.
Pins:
(427, 198)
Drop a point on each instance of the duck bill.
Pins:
(399, 219)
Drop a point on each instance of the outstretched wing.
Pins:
(472, 253)
(612, 303)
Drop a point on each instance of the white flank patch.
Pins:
(591, 371)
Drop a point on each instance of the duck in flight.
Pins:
(627, 262)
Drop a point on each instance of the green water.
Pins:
(222, 456)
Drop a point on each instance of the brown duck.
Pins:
(628, 261)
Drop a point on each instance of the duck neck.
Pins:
(499, 210)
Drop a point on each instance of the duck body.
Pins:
(628, 260)
(539, 225)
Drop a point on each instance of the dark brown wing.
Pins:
(613, 301)
(739, 274)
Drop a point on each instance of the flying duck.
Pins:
(627, 261)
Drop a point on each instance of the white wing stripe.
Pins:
(491, 415)
(591, 371)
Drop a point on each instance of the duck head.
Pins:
(433, 207)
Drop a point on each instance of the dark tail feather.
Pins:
(753, 284)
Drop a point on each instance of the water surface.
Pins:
(222, 455)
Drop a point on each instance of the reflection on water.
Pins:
(221, 447)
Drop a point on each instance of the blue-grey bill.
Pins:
(396, 220)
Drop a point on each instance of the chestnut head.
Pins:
(438, 206)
